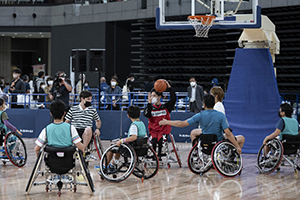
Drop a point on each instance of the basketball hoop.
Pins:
(201, 24)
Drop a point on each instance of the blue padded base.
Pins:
(252, 99)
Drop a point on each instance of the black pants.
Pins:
(154, 143)
(193, 107)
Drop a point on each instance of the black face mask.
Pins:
(87, 104)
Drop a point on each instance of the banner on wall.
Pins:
(38, 68)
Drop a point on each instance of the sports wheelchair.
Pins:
(13, 150)
(288, 149)
(168, 153)
(60, 169)
(136, 157)
(208, 153)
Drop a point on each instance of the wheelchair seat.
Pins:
(140, 145)
(60, 160)
(291, 143)
(208, 142)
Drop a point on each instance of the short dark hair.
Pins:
(116, 79)
(287, 108)
(158, 93)
(1, 101)
(57, 109)
(40, 74)
(84, 94)
(17, 71)
(25, 78)
(209, 100)
(133, 112)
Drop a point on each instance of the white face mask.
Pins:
(50, 82)
(86, 85)
(15, 76)
(192, 83)
(43, 87)
(154, 100)
(132, 80)
(113, 83)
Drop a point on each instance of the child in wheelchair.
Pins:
(4, 123)
(211, 121)
(286, 125)
(137, 129)
(59, 134)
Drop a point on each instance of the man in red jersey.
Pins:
(155, 112)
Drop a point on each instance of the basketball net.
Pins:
(201, 24)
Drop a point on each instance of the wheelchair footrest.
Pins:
(39, 183)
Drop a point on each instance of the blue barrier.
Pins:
(31, 123)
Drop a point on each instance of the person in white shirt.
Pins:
(218, 93)
(195, 94)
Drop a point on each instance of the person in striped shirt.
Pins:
(59, 134)
(82, 115)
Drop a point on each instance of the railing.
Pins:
(52, 2)
(139, 99)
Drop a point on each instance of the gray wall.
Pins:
(5, 58)
(81, 36)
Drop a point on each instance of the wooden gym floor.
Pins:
(173, 183)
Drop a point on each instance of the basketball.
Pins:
(160, 85)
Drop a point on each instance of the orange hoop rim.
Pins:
(205, 18)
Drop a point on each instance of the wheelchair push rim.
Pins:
(275, 157)
(195, 164)
(15, 149)
(147, 166)
(226, 160)
(123, 168)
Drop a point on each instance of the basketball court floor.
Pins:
(173, 183)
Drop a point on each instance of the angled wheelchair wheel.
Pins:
(15, 149)
(147, 166)
(95, 149)
(198, 162)
(86, 172)
(175, 149)
(121, 169)
(226, 160)
(269, 162)
(34, 173)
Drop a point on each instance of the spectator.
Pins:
(17, 86)
(41, 98)
(39, 80)
(128, 86)
(114, 94)
(195, 94)
(49, 83)
(218, 93)
(116, 76)
(61, 89)
(26, 80)
(149, 84)
(6, 88)
(214, 82)
(103, 84)
(2, 82)
(86, 86)
(79, 86)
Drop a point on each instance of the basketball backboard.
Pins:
(227, 12)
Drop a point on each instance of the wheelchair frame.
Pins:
(143, 165)
(226, 161)
(70, 183)
(277, 155)
(167, 151)
(14, 150)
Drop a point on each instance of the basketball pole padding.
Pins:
(252, 100)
